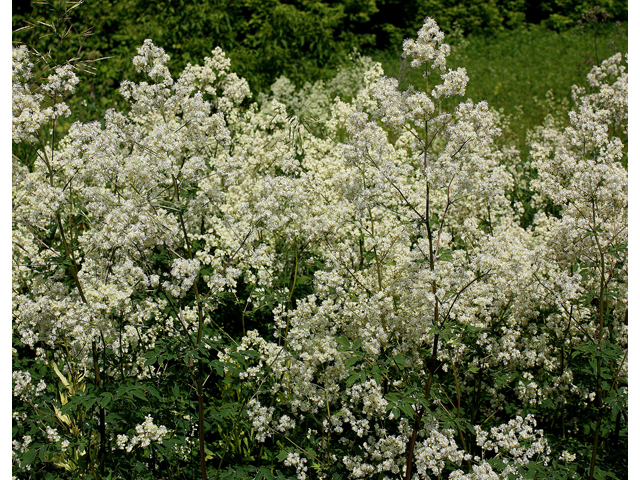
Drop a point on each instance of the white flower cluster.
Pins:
(52, 435)
(567, 457)
(285, 423)
(102, 172)
(146, 433)
(434, 450)
(429, 47)
(311, 104)
(17, 448)
(517, 440)
(260, 418)
(62, 81)
(23, 387)
(299, 463)
(29, 113)
(184, 273)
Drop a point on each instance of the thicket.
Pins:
(264, 39)
(353, 279)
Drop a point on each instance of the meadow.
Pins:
(412, 265)
(515, 70)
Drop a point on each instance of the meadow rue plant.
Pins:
(355, 298)
(29, 112)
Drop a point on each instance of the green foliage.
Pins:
(264, 39)
(398, 19)
(301, 40)
(559, 13)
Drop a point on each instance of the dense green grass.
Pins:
(514, 70)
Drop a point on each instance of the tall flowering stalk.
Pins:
(581, 169)
(416, 255)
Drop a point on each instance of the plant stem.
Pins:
(203, 466)
(412, 443)
(598, 399)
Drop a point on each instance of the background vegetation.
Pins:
(551, 42)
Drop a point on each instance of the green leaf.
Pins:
(406, 408)
(151, 358)
(153, 391)
(400, 360)
(352, 379)
(351, 362)
(42, 451)
(29, 457)
(89, 402)
(139, 394)
(106, 398)
(209, 454)
(266, 473)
